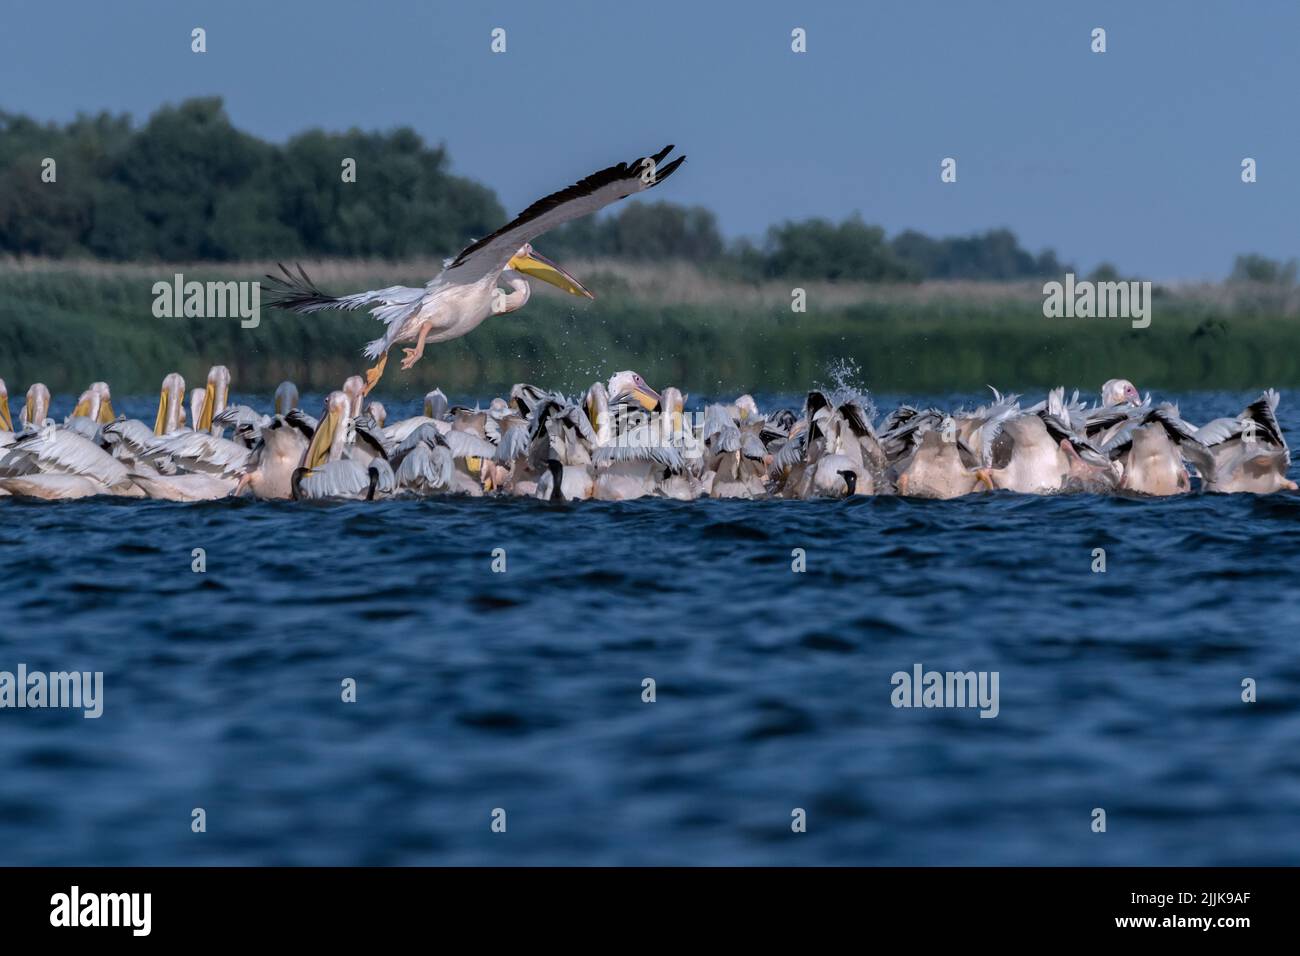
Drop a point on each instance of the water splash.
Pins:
(846, 385)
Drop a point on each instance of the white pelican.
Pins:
(627, 386)
(198, 399)
(424, 463)
(96, 404)
(435, 404)
(329, 471)
(354, 387)
(171, 404)
(6, 420)
(1119, 391)
(565, 482)
(466, 292)
(63, 464)
(1150, 451)
(939, 468)
(37, 408)
(215, 395)
(286, 398)
(635, 460)
(1248, 453)
(276, 454)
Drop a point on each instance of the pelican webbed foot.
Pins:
(373, 375)
(412, 356)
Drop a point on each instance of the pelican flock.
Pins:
(621, 439)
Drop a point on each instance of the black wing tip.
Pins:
(662, 174)
(296, 292)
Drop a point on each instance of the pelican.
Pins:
(637, 460)
(1119, 391)
(171, 407)
(286, 398)
(354, 387)
(95, 404)
(627, 386)
(329, 471)
(198, 398)
(37, 408)
(466, 292)
(61, 463)
(435, 404)
(1150, 452)
(6, 421)
(276, 453)
(940, 468)
(424, 462)
(215, 395)
(1248, 453)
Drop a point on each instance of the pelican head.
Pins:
(532, 263)
(377, 411)
(198, 400)
(629, 384)
(354, 387)
(171, 404)
(746, 407)
(1119, 391)
(331, 433)
(37, 408)
(95, 403)
(435, 404)
(87, 405)
(6, 422)
(105, 408)
(286, 398)
(596, 405)
(215, 395)
(672, 405)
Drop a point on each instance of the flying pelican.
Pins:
(465, 293)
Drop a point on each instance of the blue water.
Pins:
(522, 690)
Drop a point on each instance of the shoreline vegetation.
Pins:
(67, 323)
(84, 238)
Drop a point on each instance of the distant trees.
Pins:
(1257, 268)
(658, 230)
(995, 254)
(812, 248)
(188, 185)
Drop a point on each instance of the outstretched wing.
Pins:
(297, 293)
(491, 253)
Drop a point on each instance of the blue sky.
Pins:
(1133, 155)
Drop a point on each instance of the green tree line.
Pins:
(187, 185)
